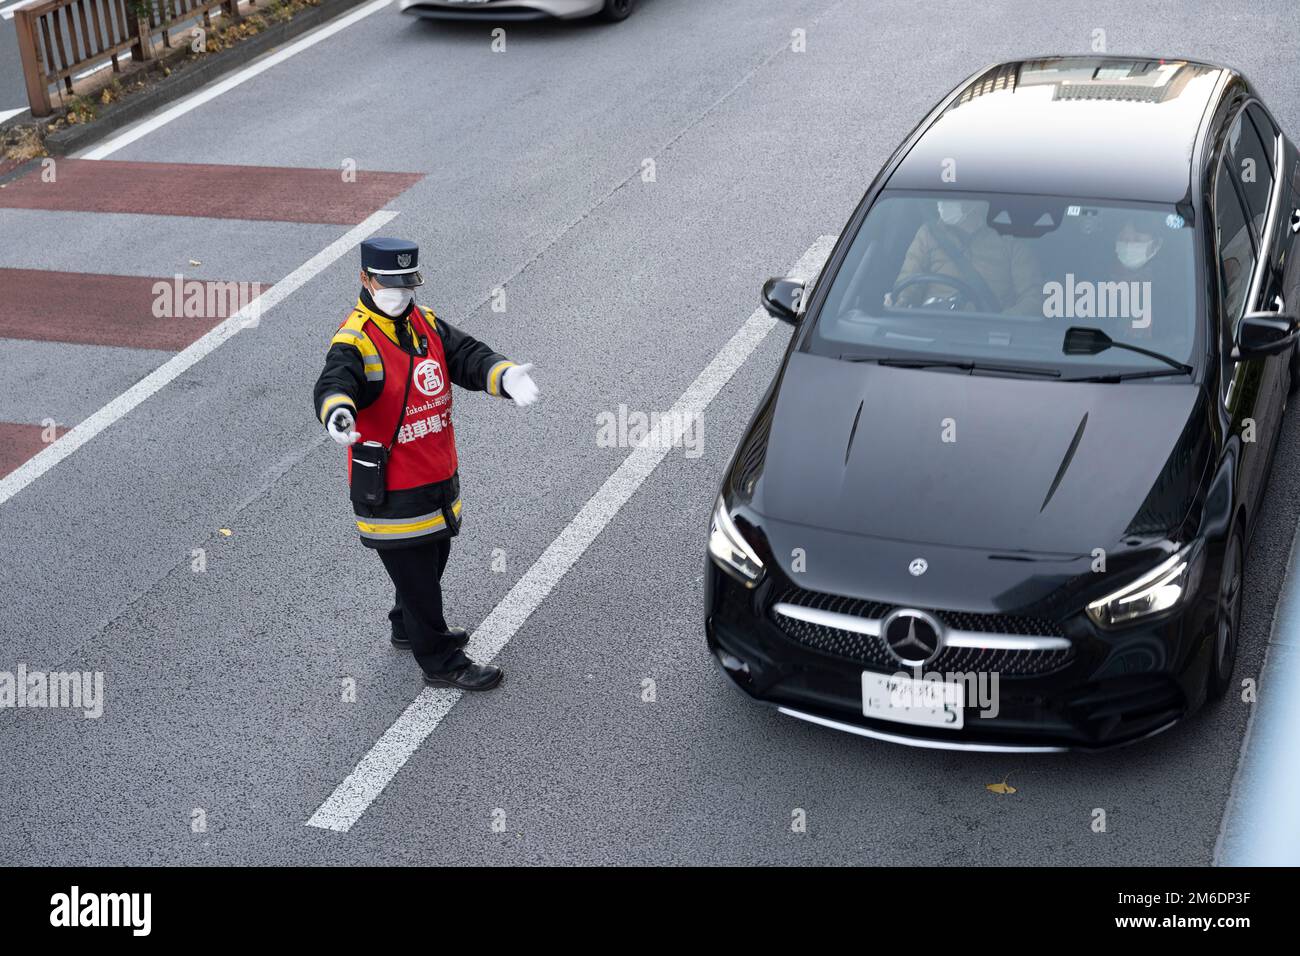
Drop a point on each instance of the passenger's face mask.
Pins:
(392, 301)
(1134, 255)
(952, 211)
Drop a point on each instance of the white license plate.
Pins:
(908, 701)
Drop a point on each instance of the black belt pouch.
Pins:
(369, 473)
(370, 459)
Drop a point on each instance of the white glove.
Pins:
(340, 426)
(519, 385)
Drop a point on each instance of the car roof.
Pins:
(1097, 127)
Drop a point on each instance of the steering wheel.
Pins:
(967, 293)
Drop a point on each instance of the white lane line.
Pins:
(56, 451)
(345, 806)
(145, 127)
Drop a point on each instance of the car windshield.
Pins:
(998, 279)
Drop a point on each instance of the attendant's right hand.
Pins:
(341, 425)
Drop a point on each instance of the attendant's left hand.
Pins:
(519, 385)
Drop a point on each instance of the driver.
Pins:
(994, 266)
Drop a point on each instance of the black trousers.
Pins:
(417, 614)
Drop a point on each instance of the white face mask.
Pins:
(952, 211)
(1134, 255)
(392, 301)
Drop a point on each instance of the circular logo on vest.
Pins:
(428, 377)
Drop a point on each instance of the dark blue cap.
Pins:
(393, 262)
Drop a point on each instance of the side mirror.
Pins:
(1265, 333)
(782, 298)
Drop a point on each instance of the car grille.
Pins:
(872, 653)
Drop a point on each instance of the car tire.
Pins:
(616, 10)
(1227, 618)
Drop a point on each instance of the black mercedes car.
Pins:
(998, 495)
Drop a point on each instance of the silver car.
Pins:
(514, 10)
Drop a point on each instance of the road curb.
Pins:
(185, 79)
(1261, 823)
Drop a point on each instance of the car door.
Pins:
(1281, 288)
(1255, 150)
(1245, 382)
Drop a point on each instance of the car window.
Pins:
(1235, 251)
(1252, 165)
(999, 278)
(1268, 132)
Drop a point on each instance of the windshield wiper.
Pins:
(1125, 376)
(1090, 341)
(953, 363)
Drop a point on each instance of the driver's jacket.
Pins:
(1004, 264)
(366, 369)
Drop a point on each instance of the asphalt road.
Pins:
(223, 687)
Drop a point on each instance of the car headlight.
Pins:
(731, 551)
(1161, 588)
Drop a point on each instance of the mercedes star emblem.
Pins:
(918, 567)
(912, 636)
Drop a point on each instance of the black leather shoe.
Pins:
(469, 676)
(459, 636)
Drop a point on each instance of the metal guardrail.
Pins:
(59, 40)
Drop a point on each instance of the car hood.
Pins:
(976, 461)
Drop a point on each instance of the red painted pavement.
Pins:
(19, 442)
(112, 310)
(271, 193)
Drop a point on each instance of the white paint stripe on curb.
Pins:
(345, 806)
(145, 127)
(1261, 823)
(47, 458)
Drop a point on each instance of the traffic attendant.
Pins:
(385, 393)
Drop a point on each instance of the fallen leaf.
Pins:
(226, 531)
(1002, 787)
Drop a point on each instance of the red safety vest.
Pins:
(425, 450)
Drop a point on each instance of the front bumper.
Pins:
(502, 11)
(1111, 689)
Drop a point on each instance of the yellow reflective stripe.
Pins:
(352, 332)
(361, 342)
(494, 377)
(333, 400)
(436, 522)
(429, 525)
